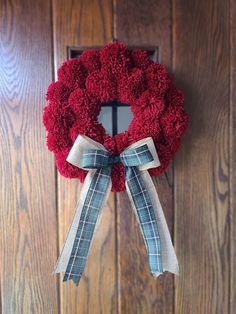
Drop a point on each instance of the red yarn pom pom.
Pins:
(72, 73)
(115, 60)
(133, 87)
(58, 93)
(141, 59)
(174, 123)
(84, 105)
(158, 80)
(91, 60)
(101, 86)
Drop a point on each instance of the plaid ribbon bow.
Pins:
(100, 162)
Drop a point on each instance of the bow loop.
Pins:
(96, 158)
(136, 156)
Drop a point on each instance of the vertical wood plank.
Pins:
(232, 155)
(86, 23)
(139, 24)
(201, 60)
(28, 233)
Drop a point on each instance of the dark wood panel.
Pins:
(142, 23)
(232, 155)
(201, 61)
(139, 24)
(86, 23)
(28, 210)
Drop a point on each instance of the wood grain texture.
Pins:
(201, 61)
(139, 24)
(232, 156)
(28, 233)
(86, 23)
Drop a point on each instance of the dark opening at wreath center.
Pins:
(115, 117)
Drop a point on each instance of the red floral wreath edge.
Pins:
(101, 76)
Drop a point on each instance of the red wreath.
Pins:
(98, 77)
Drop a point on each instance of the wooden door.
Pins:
(196, 40)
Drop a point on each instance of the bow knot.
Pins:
(115, 159)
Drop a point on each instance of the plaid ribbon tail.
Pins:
(145, 213)
(94, 200)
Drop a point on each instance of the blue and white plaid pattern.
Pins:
(89, 215)
(147, 219)
(96, 158)
(103, 161)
